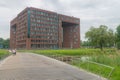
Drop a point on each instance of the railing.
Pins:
(111, 71)
(94, 67)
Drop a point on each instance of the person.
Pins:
(14, 51)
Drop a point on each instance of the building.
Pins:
(36, 29)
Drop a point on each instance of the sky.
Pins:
(91, 12)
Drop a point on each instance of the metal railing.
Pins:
(111, 71)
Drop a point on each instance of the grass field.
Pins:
(109, 57)
(3, 53)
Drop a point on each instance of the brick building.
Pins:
(36, 28)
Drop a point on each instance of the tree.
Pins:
(90, 36)
(100, 37)
(4, 43)
(1, 42)
(118, 37)
(86, 44)
(111, 38)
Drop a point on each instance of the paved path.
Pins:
(28, 66)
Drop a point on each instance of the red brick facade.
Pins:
(36, 29)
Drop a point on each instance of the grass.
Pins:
(71, 52)
(110, 57)
(97, 69)
(111, 60)
(3, 53)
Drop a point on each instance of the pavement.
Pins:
(29, 66)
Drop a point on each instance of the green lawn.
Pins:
(3, 53)
(109, 57)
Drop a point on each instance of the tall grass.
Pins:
(111, 60)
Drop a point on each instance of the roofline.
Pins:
(44, 11)
(52, 12)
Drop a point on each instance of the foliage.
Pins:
(118, 37)
(4, 43)
(101, 37)
(86, 44)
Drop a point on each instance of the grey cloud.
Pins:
(55, 5)
(94, 13)
(2, 5)
(91, 12)
(92, 4)
(13, 3)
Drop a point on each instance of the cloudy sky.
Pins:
(90, 12)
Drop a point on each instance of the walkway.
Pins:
(28, 66)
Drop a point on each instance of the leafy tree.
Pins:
(111, 38)
(118, 37)
(100, 37)
(4, 43)
(91, 34)
(86, 44)
(1, 42)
